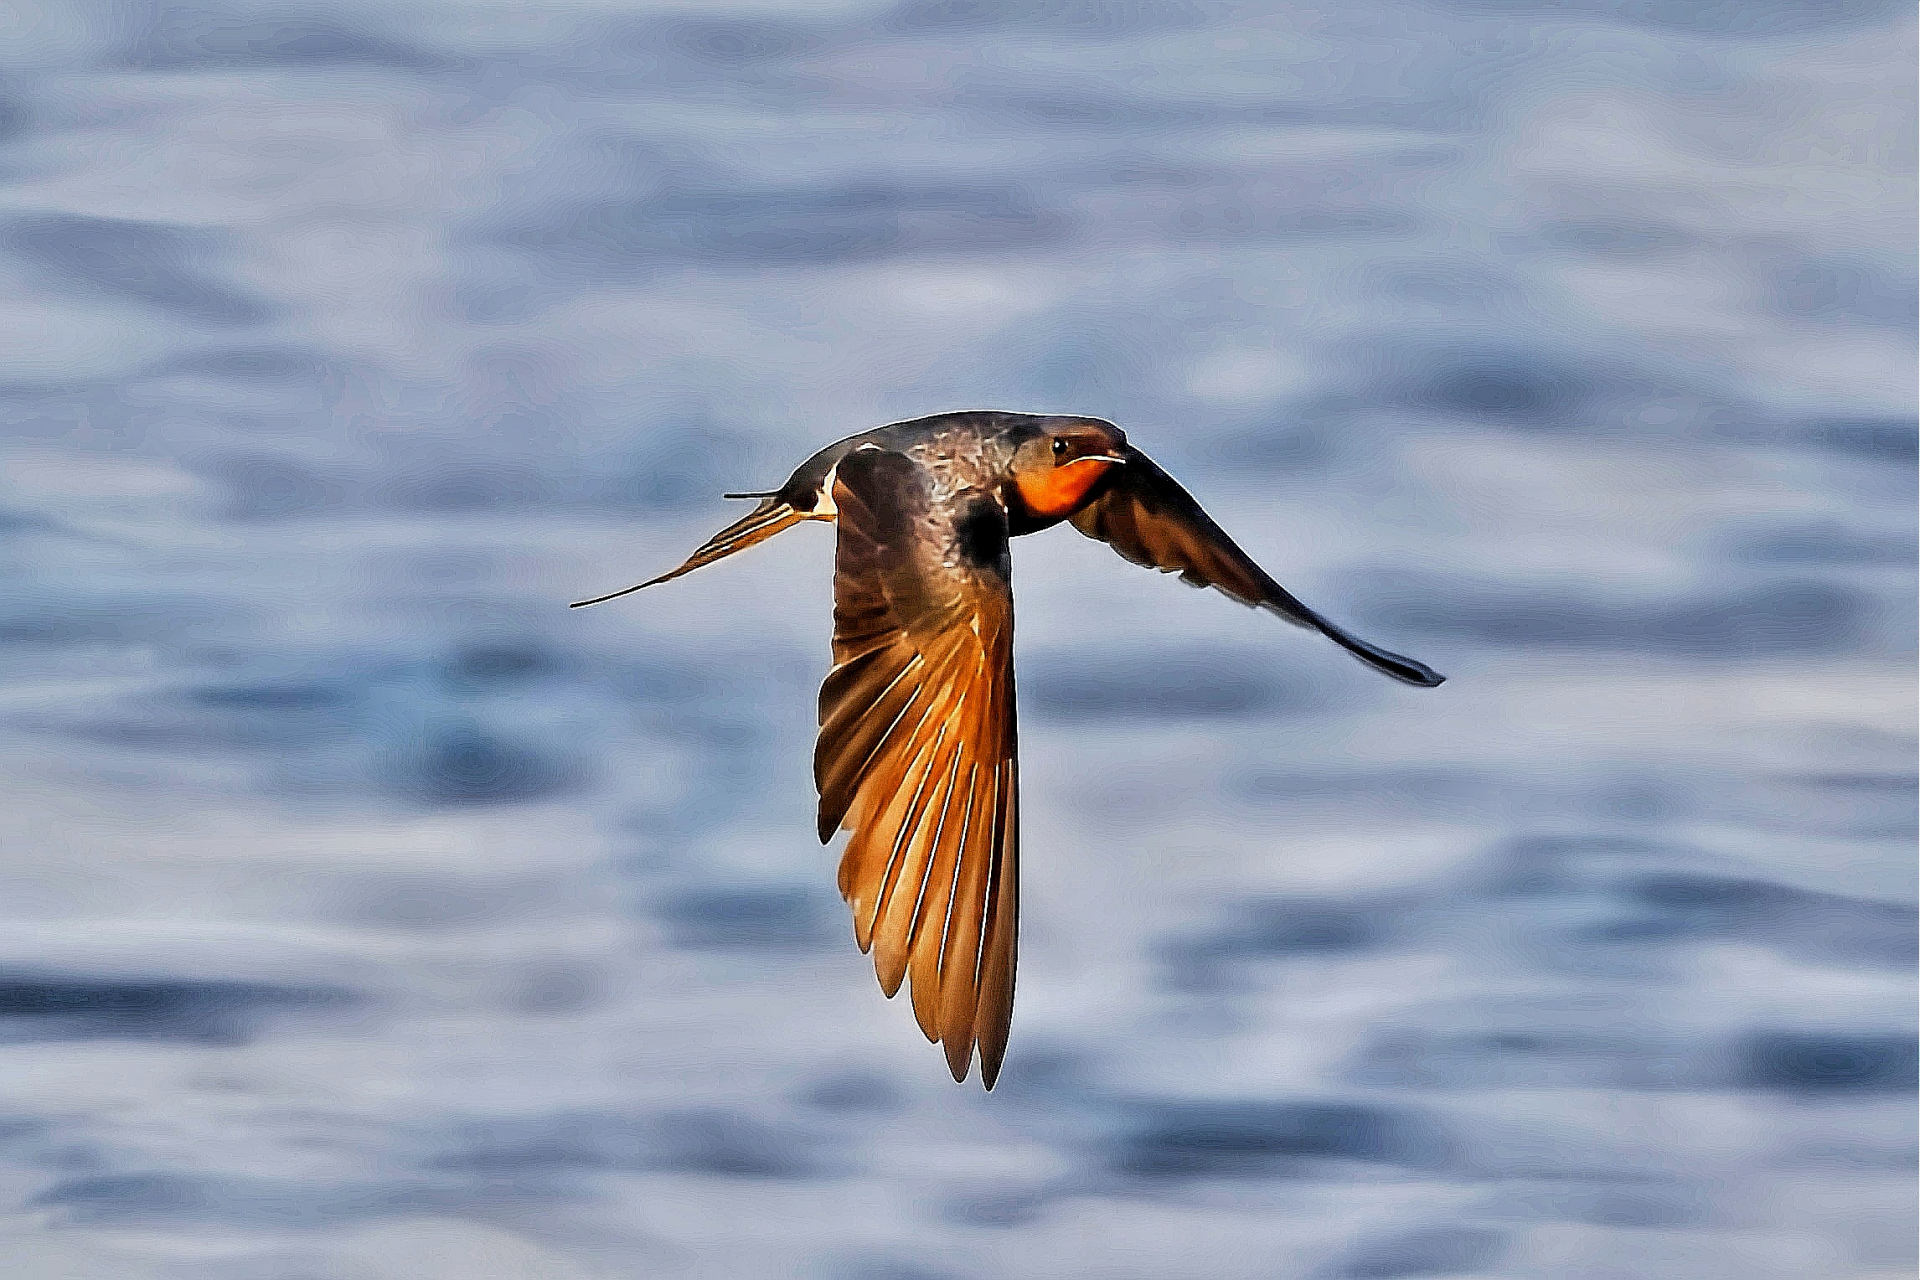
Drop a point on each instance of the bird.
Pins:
(917, 754)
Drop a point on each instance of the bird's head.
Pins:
(1057, 471)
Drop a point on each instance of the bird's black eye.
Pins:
(1059, 446)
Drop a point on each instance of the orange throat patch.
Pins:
(1057, 494)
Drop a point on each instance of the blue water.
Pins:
(365, 913)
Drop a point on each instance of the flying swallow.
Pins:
(917, 754)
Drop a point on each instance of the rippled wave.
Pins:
(368, 913)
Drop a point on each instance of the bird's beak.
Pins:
(1099, 457)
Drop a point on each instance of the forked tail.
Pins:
(767, 519)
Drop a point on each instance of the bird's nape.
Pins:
(772, 516)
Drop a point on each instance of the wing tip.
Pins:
(1418, 674)
(624, 591)
(958, 1065)
(891, 976)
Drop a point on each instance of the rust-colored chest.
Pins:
(1054, 495)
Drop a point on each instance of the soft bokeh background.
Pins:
(367, 914)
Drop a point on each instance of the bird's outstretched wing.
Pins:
(917, 755)
(770, 517)
(1146, 516)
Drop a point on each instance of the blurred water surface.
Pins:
(367, 914)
